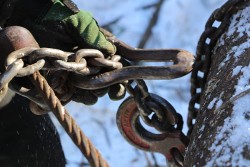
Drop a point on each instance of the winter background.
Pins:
(179, 25)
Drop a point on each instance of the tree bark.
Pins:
(221, 136)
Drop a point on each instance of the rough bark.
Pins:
(222, 131)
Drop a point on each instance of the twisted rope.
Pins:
(76, 134)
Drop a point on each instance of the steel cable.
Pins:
(76, 134)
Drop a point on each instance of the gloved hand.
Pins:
(88, 34)
(81, 25)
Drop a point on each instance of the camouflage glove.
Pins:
(82, 25)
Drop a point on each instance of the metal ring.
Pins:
(11, 71)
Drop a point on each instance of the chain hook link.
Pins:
(155, 110)
(170, 143)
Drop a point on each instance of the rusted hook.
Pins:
(182, 64)
(151, 55)
(171, 144)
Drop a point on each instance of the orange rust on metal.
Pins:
(125, 124)
(131, 128)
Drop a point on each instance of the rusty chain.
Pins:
(48, 59)
(155, 112)
(88, 68)
(181, 60)
(215, 26)
(17, 65)
(85, 63)
(164, 117)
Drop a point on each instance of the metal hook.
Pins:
(183, 61)
(131, 128)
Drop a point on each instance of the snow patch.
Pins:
(240, 26)
(243, 82)
(217, 102)
(235, 51)
(212, 103)
(202, 128)
(232, 138)
(237, 27)
(236, 70)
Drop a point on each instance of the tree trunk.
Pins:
(221, 136)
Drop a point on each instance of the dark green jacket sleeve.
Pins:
(83, 23)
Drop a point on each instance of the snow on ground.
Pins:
(180, 24)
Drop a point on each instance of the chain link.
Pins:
(84, 62)
(154, 110)
(164, 117)
(215, 26)
(79, 62)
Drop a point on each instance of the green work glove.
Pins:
(82, 25)
(85, 28)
